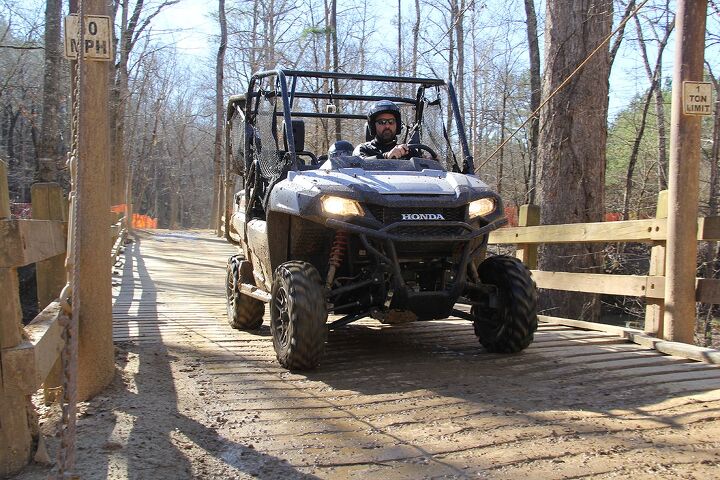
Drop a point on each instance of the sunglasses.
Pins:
(389, 121)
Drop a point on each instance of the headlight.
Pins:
(482, 207)
(341, 206)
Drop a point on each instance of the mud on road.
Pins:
(196, 399)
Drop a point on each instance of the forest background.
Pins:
(164, 107)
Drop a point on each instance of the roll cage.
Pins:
(285, 90)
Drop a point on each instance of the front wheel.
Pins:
(298, 316)
(510, 326)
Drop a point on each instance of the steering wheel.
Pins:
(421, 147)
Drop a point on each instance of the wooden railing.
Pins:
(529, 234)
(29, 356)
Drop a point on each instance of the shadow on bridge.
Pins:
(145, 432)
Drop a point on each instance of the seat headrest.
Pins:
(298, 132)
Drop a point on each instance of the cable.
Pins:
(563, 84)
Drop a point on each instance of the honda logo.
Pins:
(422, 216)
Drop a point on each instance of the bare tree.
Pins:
(49, 149)
(133, 23)
(535, 92)
(219, 121)
(655, 91)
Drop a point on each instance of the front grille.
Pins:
(388, 215)
(428, 231)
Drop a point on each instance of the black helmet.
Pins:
(383, 106)
(341, 148)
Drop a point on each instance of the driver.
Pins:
(384, 125)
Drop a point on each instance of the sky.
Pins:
(195, 42)
(191, 26)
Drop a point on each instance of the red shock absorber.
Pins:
(337, 253)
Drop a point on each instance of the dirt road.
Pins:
(196, 399)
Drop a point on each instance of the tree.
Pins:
(133, 23)
(571, 152)
(49, 149)
(218, 202)
(535, 92)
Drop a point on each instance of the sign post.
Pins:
(95, 349)
(688, 102)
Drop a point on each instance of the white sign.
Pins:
(697, 98)
(96, 45)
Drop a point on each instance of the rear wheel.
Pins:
(298, 315)
(511, 325)
(244, 312)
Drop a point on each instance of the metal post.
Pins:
(679, 321)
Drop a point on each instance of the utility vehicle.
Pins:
(394, 240)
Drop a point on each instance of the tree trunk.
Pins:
(572, 146)
(634, 154)
(399, 45)
(219, 111)
(460, 68)
(416, 39)
(336, 64)
(50, 136)
(535, 92)
(451, 58)
(655, 77)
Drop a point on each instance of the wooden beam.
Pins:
(529, 216)
(655, 307)
(601, 327)
(677, 349)
(707, 290)
(628, 231)
(28, 241)
(632, 285)
(96, 359)
(32, 360)
(683, 350)
(15, 410)
(4, 191)
(709, 229)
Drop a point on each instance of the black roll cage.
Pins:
(288, 96)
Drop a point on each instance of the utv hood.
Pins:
(300, 192)
(425, 182)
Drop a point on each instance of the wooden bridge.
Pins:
(416, 401)
(193, 398)
(197, 399)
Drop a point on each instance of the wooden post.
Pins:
(95, 354)
(655, 307)
(528, 216)
(15, 410)
(679, 321)
(48, 203)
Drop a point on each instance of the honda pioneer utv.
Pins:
(397, 240)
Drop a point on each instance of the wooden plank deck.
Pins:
(415, 401)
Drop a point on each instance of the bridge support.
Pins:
(679, 321)
(16, 412)
(48, 203)
(95, 355)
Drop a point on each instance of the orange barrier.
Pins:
(143, 221)
(121, 208)
(138, 220)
